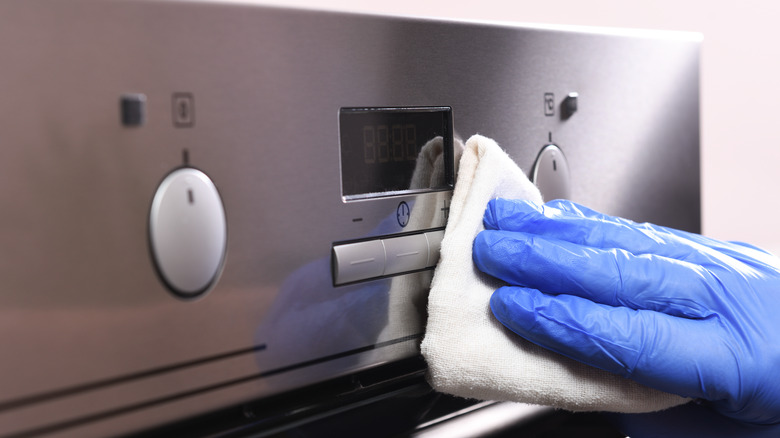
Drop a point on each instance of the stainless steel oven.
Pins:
(192, 193)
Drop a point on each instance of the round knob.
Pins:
(188, 232)
(551, 173)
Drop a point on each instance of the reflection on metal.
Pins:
(480, 420)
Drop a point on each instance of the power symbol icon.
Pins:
(402, 213)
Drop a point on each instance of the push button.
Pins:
(407, 253)
(358, 261)
(132, 108)
(569, 105)
(434, 246)
(381, 257)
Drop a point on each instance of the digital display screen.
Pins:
(390, 151)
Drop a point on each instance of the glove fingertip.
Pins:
(498, 305)
(509, 305)
(509, 214)
(489, 254)
(490, 220)
(479, 249)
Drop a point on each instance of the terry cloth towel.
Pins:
(469, 353)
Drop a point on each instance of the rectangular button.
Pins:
(132, 109)
(358, 261)
(434, 246)
(407, 253)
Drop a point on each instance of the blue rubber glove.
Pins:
(672, 310)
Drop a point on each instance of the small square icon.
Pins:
(183, 110)
(549, 104)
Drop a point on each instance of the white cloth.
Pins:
(469, 353)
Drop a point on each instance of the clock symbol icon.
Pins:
(402, 214)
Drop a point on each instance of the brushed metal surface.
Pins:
(84, 316)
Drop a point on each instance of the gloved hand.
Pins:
(672, 310)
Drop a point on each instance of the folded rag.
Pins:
(469, 353)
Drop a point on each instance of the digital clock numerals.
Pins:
(380, 148)
(383, 143)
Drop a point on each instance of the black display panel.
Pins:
(390, 151)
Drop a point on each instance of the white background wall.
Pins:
(740, 87)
